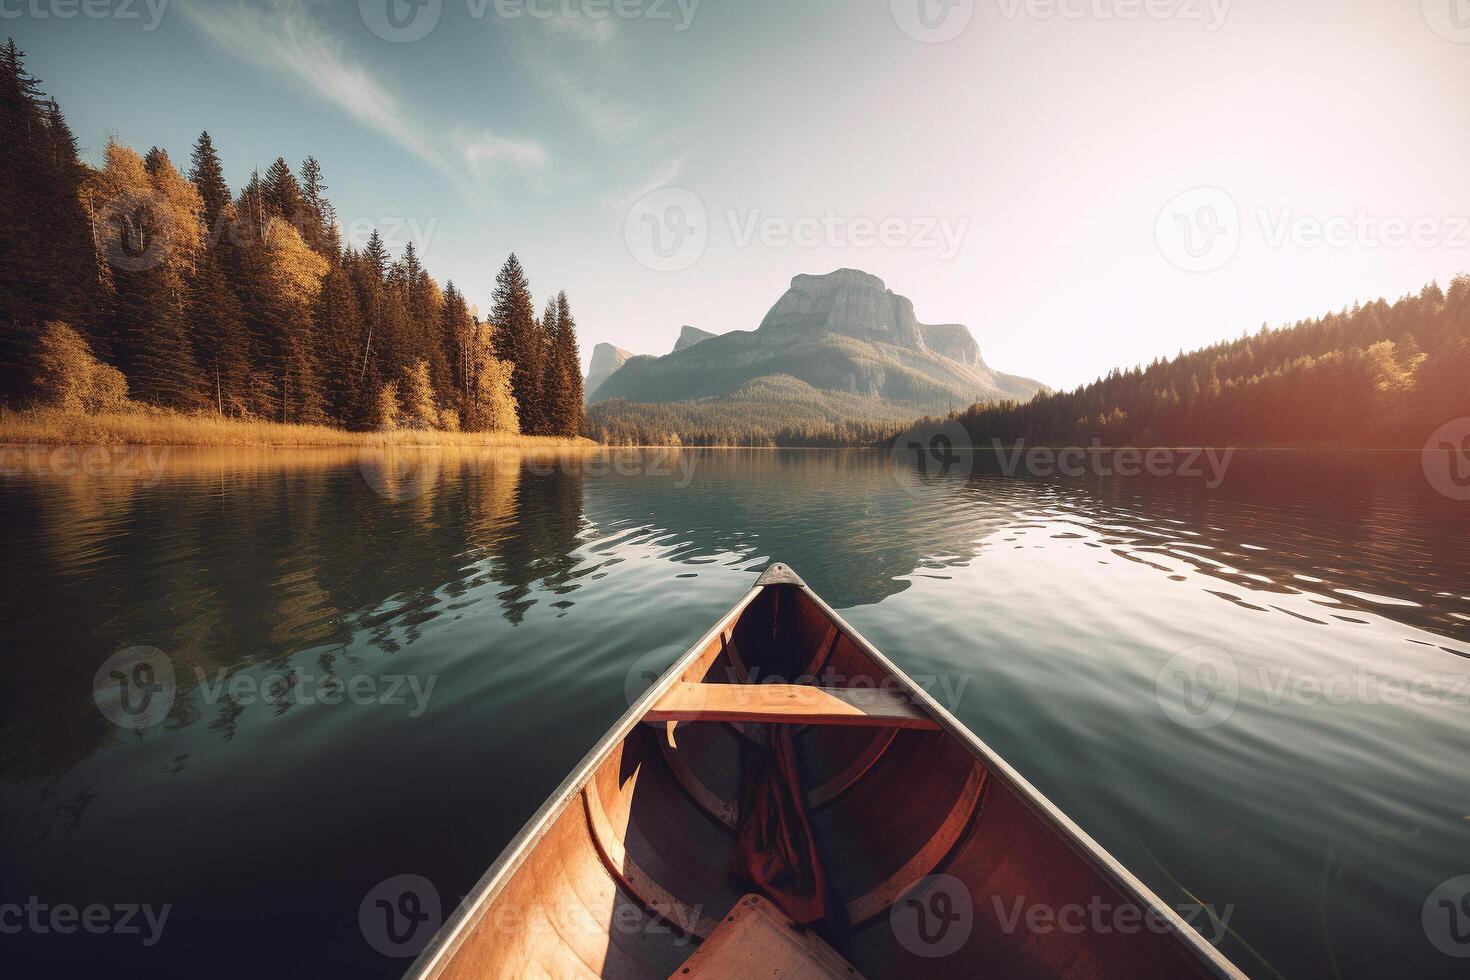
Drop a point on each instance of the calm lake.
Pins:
(382, 666)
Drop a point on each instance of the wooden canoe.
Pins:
(913, 850)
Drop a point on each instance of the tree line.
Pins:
(136, 282)
(727, 423)
(1379, 374)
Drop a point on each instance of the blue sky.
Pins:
(1049, 175)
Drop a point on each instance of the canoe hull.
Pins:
(939, 859)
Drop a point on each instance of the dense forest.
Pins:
(773, 411)
(137, 285)
(1377, 375)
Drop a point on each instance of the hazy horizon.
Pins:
(1012, 178)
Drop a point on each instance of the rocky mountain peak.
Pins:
(689, 336)
(605, 360)
(848, 302)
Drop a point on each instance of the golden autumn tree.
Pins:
(146, 223)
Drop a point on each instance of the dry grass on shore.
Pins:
(154, 427)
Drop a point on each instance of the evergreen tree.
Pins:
(568, 408)
(153, 345)
(321, 218)
(375, 254)
(455, 337)
(519, 340)
(208, 174)
(553, 380)
(148, 231)
(368, 275)
(283, 194)
(339, 331)
(48, 267)
(221, 337)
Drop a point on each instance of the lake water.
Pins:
(383, 666)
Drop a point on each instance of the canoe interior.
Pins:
(628, 872)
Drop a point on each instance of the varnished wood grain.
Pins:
(790, 704)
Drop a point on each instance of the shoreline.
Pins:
(53, 427)
(153, 427)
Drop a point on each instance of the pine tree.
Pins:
(220, 336)
(339, 332)
(368, 274)
(48, 267)
(570, 402)
(455, 339)
(208, 174)
(321, 218)
(154, 349)
(553, 380)
(283, 194)
(148, 229)
(519, 340)
(376, 256)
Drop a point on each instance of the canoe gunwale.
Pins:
(436, 955)
(1062, 826)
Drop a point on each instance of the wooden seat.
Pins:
(796, 704)
(757, 940)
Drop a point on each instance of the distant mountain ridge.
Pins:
(834, 348)
(605, 360)
(689, 336)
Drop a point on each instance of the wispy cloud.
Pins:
(486, 151)
(582, 63)
(609, 119)
(282, 36)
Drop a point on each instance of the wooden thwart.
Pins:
(757, 940)
(796, 704)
